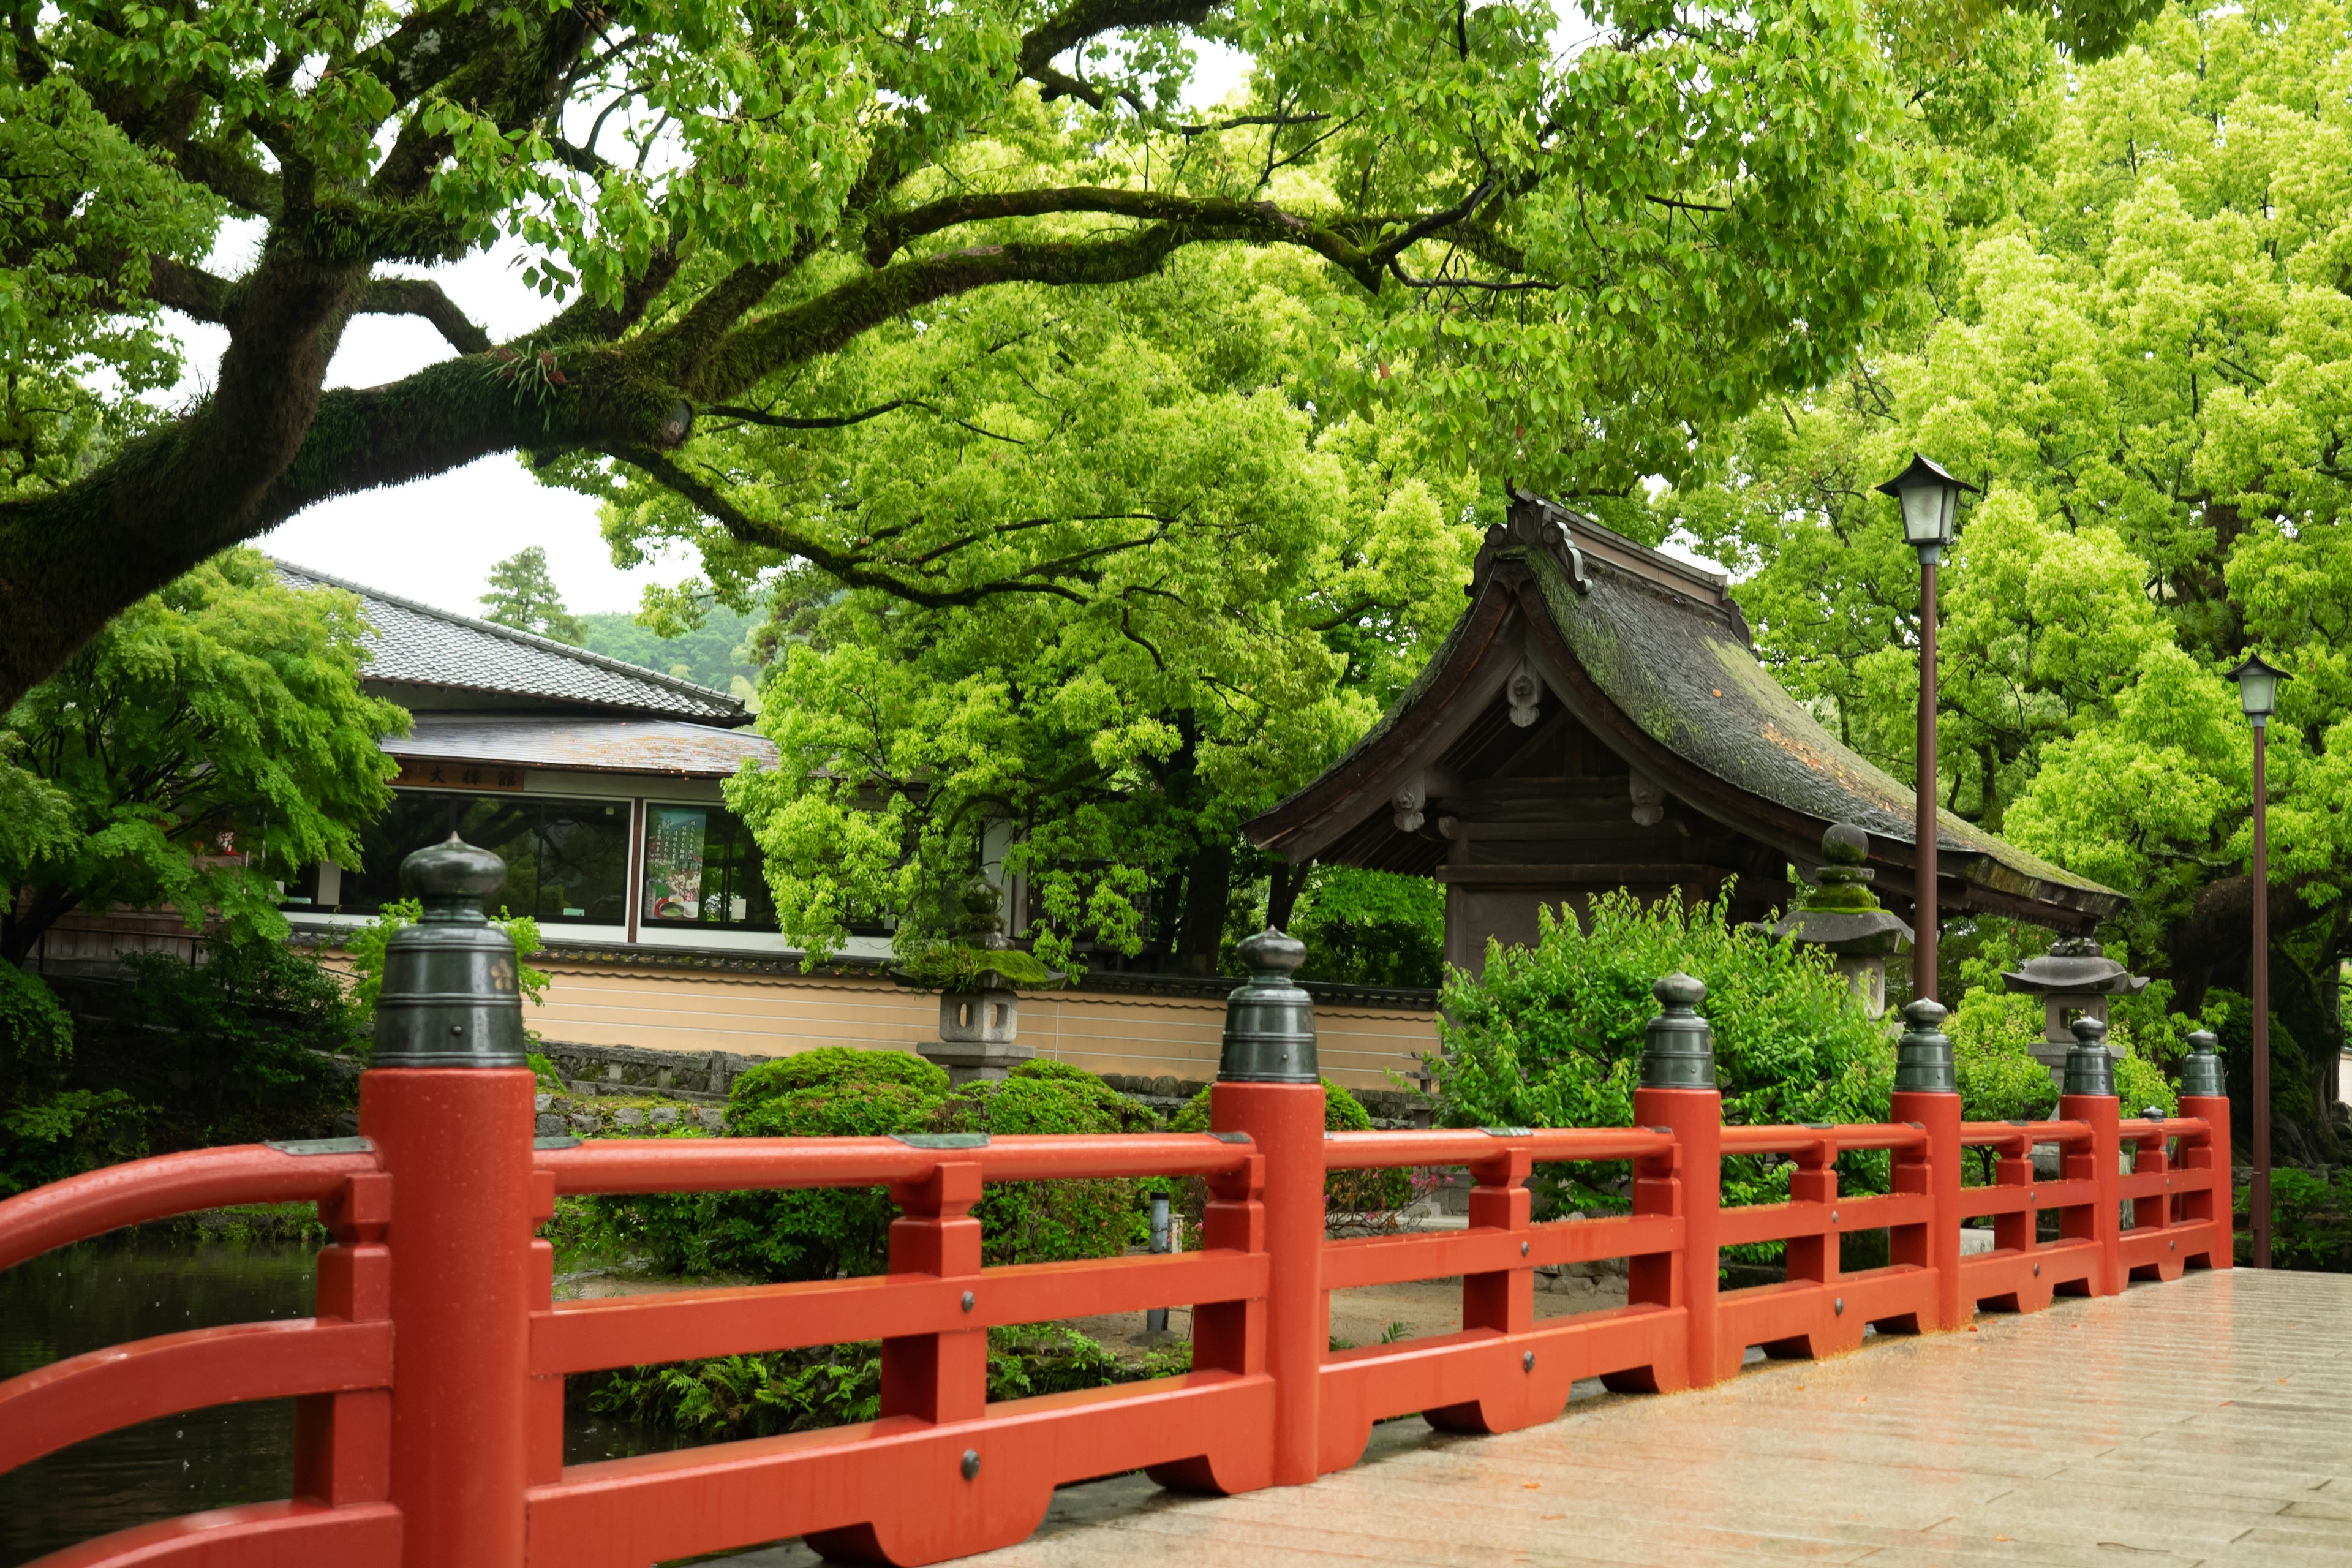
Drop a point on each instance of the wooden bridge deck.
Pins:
(2208, 1421)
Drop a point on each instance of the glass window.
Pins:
(702, 869)
(567, 860)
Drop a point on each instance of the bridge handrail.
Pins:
(1391, 1148)
(453, 1187)
(138, 1191)
(743, 1164)
(1800, 1137)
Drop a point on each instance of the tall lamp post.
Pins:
(1930, 498)
(2258, 684)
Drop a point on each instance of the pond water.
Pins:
(136, 1284)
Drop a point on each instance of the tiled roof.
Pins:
(419, 645)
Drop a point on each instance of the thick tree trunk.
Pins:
(1207, 884)
(1282, 888)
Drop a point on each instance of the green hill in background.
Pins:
(709, 656)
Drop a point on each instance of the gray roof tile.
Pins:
(420, 646)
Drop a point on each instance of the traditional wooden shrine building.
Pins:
(1598, 718)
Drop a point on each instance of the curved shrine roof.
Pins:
(1653, 656)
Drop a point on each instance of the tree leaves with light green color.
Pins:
(213, 739)
(2145, 356)
(1224, 586)
(1557, 253)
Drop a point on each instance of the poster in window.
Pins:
(674, 837)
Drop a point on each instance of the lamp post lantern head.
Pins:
(1930, 499)
(2258, 683)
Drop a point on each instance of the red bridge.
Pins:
(430, 1386)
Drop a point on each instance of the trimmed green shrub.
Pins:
(1552, 1036)
(839, 1091)
(1044, 1222)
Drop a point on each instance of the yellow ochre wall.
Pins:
(693, 1011)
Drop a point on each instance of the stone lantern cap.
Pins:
(1839, 912)
(2074, 967)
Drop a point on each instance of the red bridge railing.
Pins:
(430, 1386)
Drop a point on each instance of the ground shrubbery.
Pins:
(833, 1385)
(1552, 1036)
(820, 1233)
(840, 1091)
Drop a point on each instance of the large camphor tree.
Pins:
(1577, 253)
(2141, 344)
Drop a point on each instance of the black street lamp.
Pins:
(2258, 684)
(1931, 499)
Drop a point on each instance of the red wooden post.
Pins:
(1678, 1093)
(938, 1377)
(1268, 1087)
(2207, 1159)
(1926, 1091)
(448, 1107)
(342, 1442)
(2090, 1097)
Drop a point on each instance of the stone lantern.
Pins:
(1842, 916)
(980, 1014)
(2073, 977)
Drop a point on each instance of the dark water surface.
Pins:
(134, 1285)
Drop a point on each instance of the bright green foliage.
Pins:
(366, 947)
(1999, 1080)
(213, 737)
(1558, 262)
(1045, 1221)
(85, 215)
(523, 595)
(1224, 590)
(1371, 927)
(1552, 1036)
(2311, 1220)
(2145, 352)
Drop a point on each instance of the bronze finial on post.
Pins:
(452, 996)
(2090, 1065)
(1923, 1058)
(1269, 1020)
(1678, 1046)
(2201, 1069)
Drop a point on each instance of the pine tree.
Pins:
(523, 595)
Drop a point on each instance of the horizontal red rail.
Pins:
(1438, 1255)
(1388, 1150)
(1778, 1140)
(298, 1533)
(33, 1221)
(628, 1331)
(1975, 1134)
(1975, 1203)
(54, 1406)
(731, 1164)
(1784, 1222)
